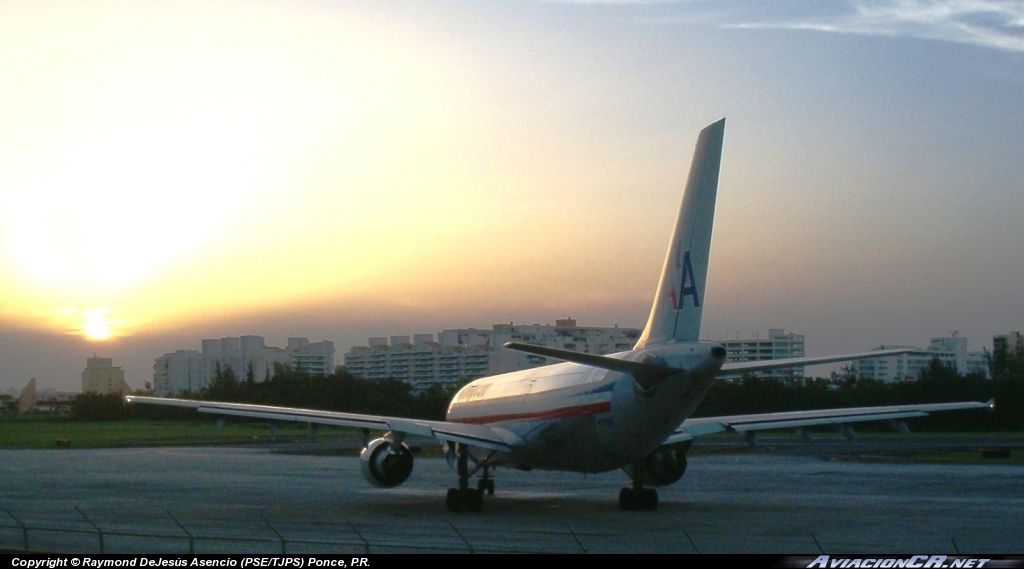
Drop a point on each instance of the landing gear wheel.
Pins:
(648, 499)
(474, 500)
(455, 501)
(625, 499)
(637, 497)
(464, 498)
(485, 485)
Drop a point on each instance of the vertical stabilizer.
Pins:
(679, 301)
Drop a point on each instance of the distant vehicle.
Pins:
(595, 413)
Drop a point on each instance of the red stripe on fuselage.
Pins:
(578, 411)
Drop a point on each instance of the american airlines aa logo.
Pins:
(687, 283)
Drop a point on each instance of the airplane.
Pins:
(595, 413)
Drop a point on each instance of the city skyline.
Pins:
(336, 170)
(340, 355)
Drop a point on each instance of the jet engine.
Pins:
(666, 464)
(385, 463)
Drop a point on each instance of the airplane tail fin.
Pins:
(679, 301)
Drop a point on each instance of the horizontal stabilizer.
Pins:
(764, 365)
(646, 374)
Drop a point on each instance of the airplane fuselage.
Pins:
(580, 418)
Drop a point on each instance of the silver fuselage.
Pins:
(580, 418)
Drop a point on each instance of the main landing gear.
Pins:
(464, 498)
(485, 484)
(637, 497)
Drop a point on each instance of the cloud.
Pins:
(995, 24)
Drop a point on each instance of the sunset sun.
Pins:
(96, 326)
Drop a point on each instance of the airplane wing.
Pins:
(475, 435)
(692, 428)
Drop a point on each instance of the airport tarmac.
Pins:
(832, 497)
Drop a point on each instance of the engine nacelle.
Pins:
(386, 464)
(666, 464)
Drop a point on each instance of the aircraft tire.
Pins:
(626, 500)
(455, 501)
(648, 499)
(632, 499)
(486, 486)
(474, 500)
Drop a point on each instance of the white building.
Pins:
(463, 353)
(950, 350)
(953, 350)
(471, 353)
(778, 345)
(190, 370)
(102, 376)
(313, 358)
(177, 372)
(977, 364)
